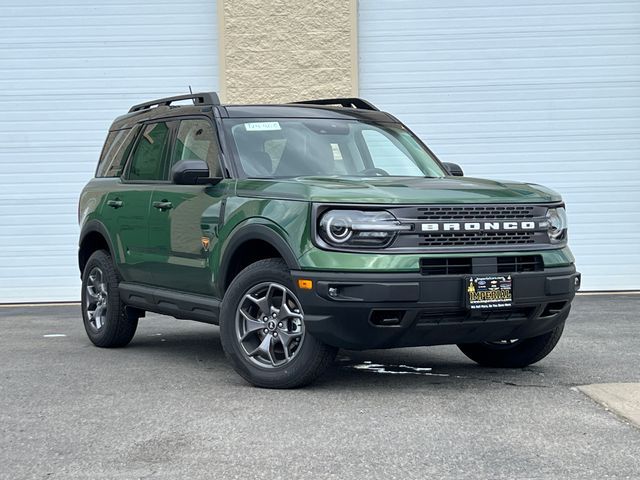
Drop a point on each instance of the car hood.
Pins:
(398, 190)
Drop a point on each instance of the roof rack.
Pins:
(345, 102)
(206, 98)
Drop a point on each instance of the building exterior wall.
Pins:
(523, 91)
(67, 70)
(539, 93)
(287, 50)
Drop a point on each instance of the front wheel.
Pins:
(513, 353)
(263, 332)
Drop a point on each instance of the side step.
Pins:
(186, 306)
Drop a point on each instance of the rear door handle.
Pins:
(117, 203)
(163, 205)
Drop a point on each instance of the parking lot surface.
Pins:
(169, 406)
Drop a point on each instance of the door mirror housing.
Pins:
(192, 172)
(453, 169)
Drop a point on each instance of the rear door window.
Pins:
(148, 160)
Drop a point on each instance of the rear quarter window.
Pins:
(115, 152)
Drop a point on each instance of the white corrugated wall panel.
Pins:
(544, 92)
(67, 69)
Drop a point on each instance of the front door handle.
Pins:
(163, 205)
(117, 203)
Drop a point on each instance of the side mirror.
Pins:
(453, 169)
(191, 172)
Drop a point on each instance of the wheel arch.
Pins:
(93, 236)
(248, 244)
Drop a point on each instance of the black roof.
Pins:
(304, 111)
(130, 119)
(338, 108)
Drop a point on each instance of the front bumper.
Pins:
(386, 310)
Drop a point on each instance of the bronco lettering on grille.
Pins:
(478, 226)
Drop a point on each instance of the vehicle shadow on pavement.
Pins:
(400, 368)
(428, 366)
(182, 344)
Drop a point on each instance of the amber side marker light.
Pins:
(305, 284)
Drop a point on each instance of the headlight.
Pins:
(557, 224)
(355, 228)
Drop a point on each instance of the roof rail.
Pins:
(345, 102)
(206, 98)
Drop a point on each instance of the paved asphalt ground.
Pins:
(169, 406)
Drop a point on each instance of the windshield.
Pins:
(292, 147)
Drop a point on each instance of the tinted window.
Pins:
(290, 147)
(196, 141)
(389, 154)
(147, 161)
(115, 152)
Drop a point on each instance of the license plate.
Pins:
(489, 292)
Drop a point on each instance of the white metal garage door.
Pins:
(543, 92)
(67, 69)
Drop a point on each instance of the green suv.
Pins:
(303, 228)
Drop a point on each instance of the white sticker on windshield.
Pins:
(261, 126)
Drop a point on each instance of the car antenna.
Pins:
(191, 93)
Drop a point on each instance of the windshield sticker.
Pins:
(337, 154)
(261, 126)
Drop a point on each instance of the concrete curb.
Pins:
(621, 398)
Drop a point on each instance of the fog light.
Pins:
(333, 292)
(576, 283)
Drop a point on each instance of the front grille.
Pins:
(471, 227)
(434, 317)
(458, 239)
(461, 212)
(483, 265)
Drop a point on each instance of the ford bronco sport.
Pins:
(312, 226)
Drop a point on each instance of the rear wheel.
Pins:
(107, 321)
(513, 353)
(263, 332)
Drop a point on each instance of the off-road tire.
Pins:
(120, 322)
(523, 353)
(308, 363)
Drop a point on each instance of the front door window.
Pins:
(196, 140)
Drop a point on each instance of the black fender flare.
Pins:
(95, 226)
(254, 231)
